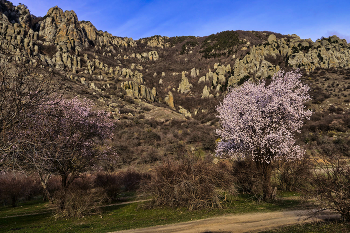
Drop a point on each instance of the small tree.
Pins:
(258, 121)
(63, 137)
(20, 91)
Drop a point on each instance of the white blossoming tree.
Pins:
(259, 121)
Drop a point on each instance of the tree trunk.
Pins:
(43, 181)
(266, 172)
(14, 199)
(64, 178)
(267, 189)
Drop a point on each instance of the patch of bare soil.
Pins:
(253, 222)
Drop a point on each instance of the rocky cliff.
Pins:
(164, 90)
(181, 72)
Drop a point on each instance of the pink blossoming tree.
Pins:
(62, 137)
(259, 121)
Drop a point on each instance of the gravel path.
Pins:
(253, 222)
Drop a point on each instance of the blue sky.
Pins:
(143, 18)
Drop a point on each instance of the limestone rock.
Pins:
(184, 86)
(194, 73)
(137, 90)
(205, 93)
(169, 100)
(201, 79)
(153, 55)
(24, 15)
(156, 41)
(89, 30)
(184, 112)
(62, 28)
(36, 50)
(271, 38)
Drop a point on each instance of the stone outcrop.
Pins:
(184, 112)
(194, 72)
(62, 28)
(272, 38)
(327, 53)
(65, 30)
(100, 38)
(153, 56)
(206, 93)
(169, 100)
(184, 86)
(139, 91)
(254, 64)
(333, 54)
(105, 63)
(156, 41)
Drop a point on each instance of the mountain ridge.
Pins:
(173, 78)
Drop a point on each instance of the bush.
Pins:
(79, 202)
(110, 183)
(247, 177)
(15, 186)
(116, 183)
(149, 155)
(80, 199)
(54, 184)
(331, 186)
(191, 183)
(294, 175)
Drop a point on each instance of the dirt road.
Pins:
(253, 222)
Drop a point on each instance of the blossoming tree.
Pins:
(20, 91)
(62, 137)
(259, 121)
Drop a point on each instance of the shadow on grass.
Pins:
(136, 215)
(23, 222)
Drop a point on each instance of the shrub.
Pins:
(15, 186)
(49, 50)
(80, 199)
(191, 183)
(110, 183)
(220, 44)
(149, 155)
(247, 177)
(177, 150)
(131, 179)
(331, 186)
(294, 175)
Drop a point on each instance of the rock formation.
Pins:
(184, 86)
(148, 69)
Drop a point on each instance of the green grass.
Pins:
(319, 227)
(29, 207)
(127, 216)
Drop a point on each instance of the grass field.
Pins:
(319, 227)
(124, 216)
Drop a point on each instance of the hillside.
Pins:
(164, 90)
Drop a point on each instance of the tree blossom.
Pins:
(261, 120)
(63, 137)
